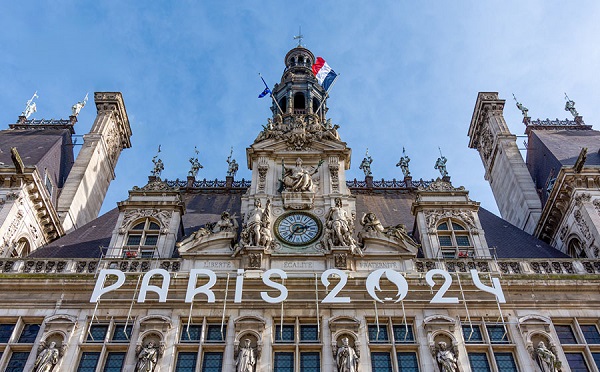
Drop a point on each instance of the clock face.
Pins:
(298, 228)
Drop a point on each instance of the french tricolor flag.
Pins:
(324, 74)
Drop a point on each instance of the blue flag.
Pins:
(264, 93)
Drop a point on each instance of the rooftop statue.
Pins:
(232, 167)
(520, 106)
(158, 164)
(366, 164)
(30, 106)
(76, 108)
(403, 163)
(196, 166)
(570, 106)
(440, 164)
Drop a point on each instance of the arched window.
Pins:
(576, 249)
(283, 104)
(299, 103)
(22, 248)
(454, 240)
(316, 104)
(142, 238)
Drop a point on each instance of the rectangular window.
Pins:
(212, 362)
(505, 362)
(120, 334)
(596, 357)
(88, 362)
(463, 241)
(565, 334)
(283, 362)
(381, 362)
(479, 362)
(445, 241)
(213, 333)
(403, 333)
(29, 334)
(114, 362)
(192, 334)
(134, 239)
(449, 254)
(498, 334)
(17, 362)
(309, 333)
(378, 334)
(97, 333)
(151, 240)
(186, 362)
(5, 332)
(590, 331)
(407, 362)
(310, 362)
(577, 362)
(472, 335)
(284, 334)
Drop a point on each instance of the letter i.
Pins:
(239, 285)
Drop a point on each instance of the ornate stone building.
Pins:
(299, 269)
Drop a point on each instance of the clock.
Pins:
(298, 228)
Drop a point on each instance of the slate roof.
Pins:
(391, 208)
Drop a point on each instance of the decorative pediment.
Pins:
(204, 241)
(379, 242)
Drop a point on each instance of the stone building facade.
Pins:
(300, 269)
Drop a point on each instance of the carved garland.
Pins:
(263, 167)
(132, 215)
(334, 167)
(432, 218)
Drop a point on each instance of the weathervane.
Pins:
(158, 165)
(570, 106)
(196, 166)
(299, 37)
(30, 106)
(76, 108)
(520, 106)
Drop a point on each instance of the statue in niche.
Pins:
(403, 163)
(446, 359)
(339, 228)
(366, 164)
(255, 230)
(545, 358)
(347, 358)
(48, 357)
(297, 178)
(147, 357)
(246, 360)
(570, 106)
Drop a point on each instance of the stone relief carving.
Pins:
(563, 232)
(485, 142)
(339, 228)
(155, 185)
(148, 356)
(227, 224)
(298, 178)
(432, 217)
(130, 216)
(48, 356)
(256, 228)
(447, 360)
(298, 131)
(582, 225)
(347, 359)
(340, 260)
(582, 198)
(12, 230)
(334, 168)
(263, 167)
(441, 185)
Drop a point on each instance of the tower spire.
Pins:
(299, 37)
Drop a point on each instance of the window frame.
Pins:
(454, 249)
(142, 250)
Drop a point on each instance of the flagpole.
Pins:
(327, 94)
(271, 93)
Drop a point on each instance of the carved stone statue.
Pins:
(446, 358)
(440, 165)
(521, 107)
(546, 359)
(298, 178)
(76, 108)
(48, 357)
(232, 167)
(158, 164)
(338, 229)
(30, 106)
(246, 360)
(255, 230)
(371, 223)
(347, 358)
(147, 357)
(196, 166)
(570, 106)
(366, 164)
(226, 223)
(403, 164)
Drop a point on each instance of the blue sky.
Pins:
(410, 74)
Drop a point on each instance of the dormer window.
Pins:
(454, 240)
(142, 239)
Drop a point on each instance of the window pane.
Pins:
(407, 362)
(472, 335)
(449, 254)
(192, 334)
(139, 226)
(403, 333)
(151, 240)
(147, 253)
(213, 333)
(120, 334)
(565, 334)
(381, 362)
(212, 362)
(283, 362)
(88, 362)
(443, 226)
(134, 240)
(153, 226)
(591, 334)
(505, 362)
(114, 362)
(186, 362)
(6, 332)
(309, 333)
(17, 362)
(456, 226)
(498, 334)
(463, 241)
(479, 362)
(29, 333)
(374, 336)
(285, 334)
(97, 333)
(445, 241)
(576, 362)
(310, 362)
(596, 357)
